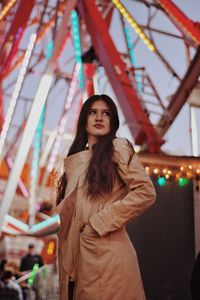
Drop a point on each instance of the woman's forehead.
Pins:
(99, 104)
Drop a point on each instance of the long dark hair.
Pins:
(101, 171)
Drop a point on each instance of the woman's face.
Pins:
(98, 121)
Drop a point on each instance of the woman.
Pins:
(103, 187)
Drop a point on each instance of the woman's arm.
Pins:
(141, 193)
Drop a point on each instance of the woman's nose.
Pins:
(99, 115)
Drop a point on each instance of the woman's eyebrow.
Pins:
(104, 110)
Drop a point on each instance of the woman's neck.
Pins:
(92, 140)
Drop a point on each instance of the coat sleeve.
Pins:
(141, 192)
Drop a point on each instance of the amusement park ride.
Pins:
(55, 53)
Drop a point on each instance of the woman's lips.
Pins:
(99, 126)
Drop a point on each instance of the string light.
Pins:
(34, 167)
(161, 181)
(189, 174)
(134, 24)
(61, 126)
(156, 171)
(16, 91)
(182, 181)
(180, 174)
(6, 9)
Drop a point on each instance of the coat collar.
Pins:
(76, 162)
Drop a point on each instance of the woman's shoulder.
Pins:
(123, 149)
(122, 144)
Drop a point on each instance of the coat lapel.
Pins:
(75, 165)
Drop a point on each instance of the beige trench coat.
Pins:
(100, 257)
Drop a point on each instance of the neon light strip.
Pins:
(16, 92)
(61, 126)
(44, 224)
(49, 49)
(132, 56)
(48, 147)
(24, 228)
(15, 222)
(25, 143)
(134, 24)
(20, 182)
(33, 274)
(34, 168)
(74, 113)
(6, 9)
(77, 45)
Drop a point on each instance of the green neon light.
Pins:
(77, 46)
(44, 224)
(33, 274)
(37, 144)
(162, 181)
(49, 49)
(132, 56)
(182, 181)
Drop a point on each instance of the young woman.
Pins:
(103, 187)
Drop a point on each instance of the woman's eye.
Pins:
(106, 113)
(92, 112)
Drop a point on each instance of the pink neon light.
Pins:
(20, 182)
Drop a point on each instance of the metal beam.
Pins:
(137, 120)
(182, 94)
(185, 25)
(15, 33)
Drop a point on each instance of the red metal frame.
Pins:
(137, 120)
(89, 73)
(183, 92)
(179, 17)
(19, 24)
